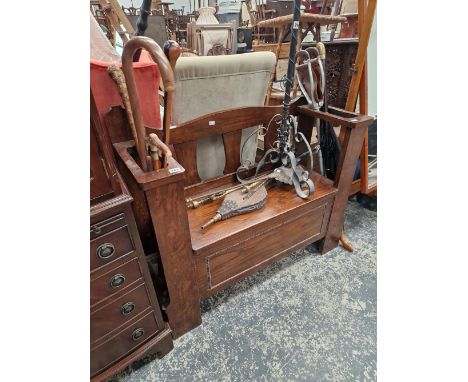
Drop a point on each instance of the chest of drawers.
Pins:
(126, 322)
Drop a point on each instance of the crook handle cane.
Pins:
(141, 42)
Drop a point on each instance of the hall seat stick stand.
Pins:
(199, 263)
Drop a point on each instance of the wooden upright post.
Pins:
(175, 249)
(122, 17)
(164, 192)
(351, 147)
(116, 17)
(363, 104)
(361, 54)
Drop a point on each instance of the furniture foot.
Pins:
(346, 245)
(159, 345)
(164, 347)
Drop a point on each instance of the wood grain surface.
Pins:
(281, 202)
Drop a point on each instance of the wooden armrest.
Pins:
(337, 116)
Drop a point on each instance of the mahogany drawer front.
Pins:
(110, 246)
(131, 337)
(107, 225)
(242, 258)
(115, 280)
(116, 313)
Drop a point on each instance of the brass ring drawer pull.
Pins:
(127, 308)
(116, 281)
(137, 334)
(105, 251)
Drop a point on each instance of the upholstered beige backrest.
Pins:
(208, 84)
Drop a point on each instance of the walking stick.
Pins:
(167, 76)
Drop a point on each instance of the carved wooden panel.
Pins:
(339, 64)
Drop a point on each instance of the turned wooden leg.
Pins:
(350, 150)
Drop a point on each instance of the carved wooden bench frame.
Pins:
(194, 267)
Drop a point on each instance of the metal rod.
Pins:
(203, 199)
(283, 130)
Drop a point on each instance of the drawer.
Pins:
(110, 246)
(115, 280)
(107, 225)
(116, 313)
(128, 339)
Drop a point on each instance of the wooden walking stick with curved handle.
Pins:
(158, 150)
(167, 76)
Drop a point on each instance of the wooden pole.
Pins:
(359, 85)
(122, 17)
(363, 109)
(363, 104)
(361, 54)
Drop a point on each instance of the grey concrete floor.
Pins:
(305, 318)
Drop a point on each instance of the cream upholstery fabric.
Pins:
(208, 84)
(211, 37)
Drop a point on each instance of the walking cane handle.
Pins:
(172, 51)
(321, 49)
